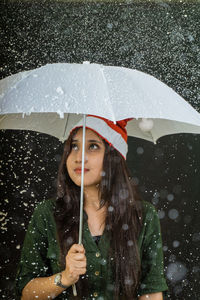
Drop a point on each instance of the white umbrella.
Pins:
(49, 100)
(46, 97)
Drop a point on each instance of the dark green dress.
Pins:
(40, 254)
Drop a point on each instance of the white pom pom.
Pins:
(146, 124)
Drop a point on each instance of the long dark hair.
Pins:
(123, 219)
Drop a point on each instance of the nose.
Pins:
(79, 156)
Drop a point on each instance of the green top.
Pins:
(40, 254)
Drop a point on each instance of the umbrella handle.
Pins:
(74, 289)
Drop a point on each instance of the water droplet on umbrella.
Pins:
(59, 90)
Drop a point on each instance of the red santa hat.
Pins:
(114, 134)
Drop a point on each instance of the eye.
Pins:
(74, 146)
(93, 147)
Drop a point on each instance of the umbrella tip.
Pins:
(86, 62)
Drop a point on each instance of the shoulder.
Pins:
(150, 217)
(44, 210)
(148, 209)
(42, 217)
(45, 206)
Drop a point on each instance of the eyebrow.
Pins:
(90, 141)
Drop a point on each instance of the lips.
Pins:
(78, 170)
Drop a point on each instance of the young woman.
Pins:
(121, 255)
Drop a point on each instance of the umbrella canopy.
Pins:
(44, 99)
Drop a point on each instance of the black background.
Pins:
(160, 38)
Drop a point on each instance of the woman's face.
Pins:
(94, 155)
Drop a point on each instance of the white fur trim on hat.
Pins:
(105, 131)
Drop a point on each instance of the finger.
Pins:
(77, 248)
(80, 271)
(80, 264)
(78, 256)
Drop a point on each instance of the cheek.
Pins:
(68, 163)
(100, 164)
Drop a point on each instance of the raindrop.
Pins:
(140, 150)
(173, 214)
(143, 286)
(176, 244)
(109, 25)
(196, 269)
(110, 208)
(60, 113)
(59, 90)
(128, 281)
(125, 226)
(130, 243)
(69, 240)
(196, 237)
(136, 180)
(172, 258)
(170, 197)
(165, 248)
(155, 201)
(108, 227)
(156, 195)
(123, 194)
(103, 261)
(146, 124)
(103, 173)
(176, 271)
(161, 214)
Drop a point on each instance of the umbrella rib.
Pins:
(65, 126)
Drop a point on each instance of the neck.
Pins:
(91, 197)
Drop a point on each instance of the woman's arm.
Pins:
(154, 296)
(42, 288)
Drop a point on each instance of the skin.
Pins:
(94, 154)
(44, 288)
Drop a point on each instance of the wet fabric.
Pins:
(40, 255)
